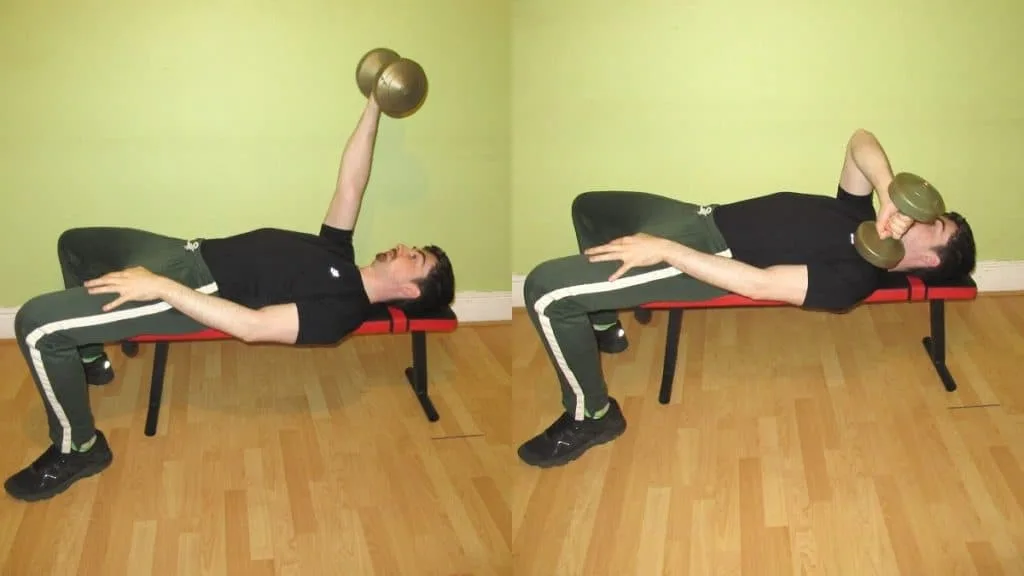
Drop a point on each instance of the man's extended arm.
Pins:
(277, 323)
(354, 170)
(787, 283)
(778, 283)
(866, 167)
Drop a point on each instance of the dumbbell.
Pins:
(399, 85)
(914, 197)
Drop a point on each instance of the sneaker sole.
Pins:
(105, 379)
(60, 489)
(573, 456)
(618, 347)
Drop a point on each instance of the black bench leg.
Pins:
(935, 345)
(156, 387)
(642, 315)
(668, 371)
(417, 375)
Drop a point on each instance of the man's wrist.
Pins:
(167, 288)
(671, 252)
(882, 189)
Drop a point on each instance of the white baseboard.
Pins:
(990, 275)
(470, 307)
(999, 275)
(7, 323)
(483, 306)
(518, 299)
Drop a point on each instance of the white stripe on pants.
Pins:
(81, 322)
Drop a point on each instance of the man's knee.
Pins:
(28, 318)
(540, 281)
(582, 202)
(68, 239)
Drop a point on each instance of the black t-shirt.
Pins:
(316, 272)
(813, 230)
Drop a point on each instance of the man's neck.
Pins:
(375, 289)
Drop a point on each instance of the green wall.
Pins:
(712, 102)
(205, 119)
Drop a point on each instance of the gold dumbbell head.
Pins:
(371, 66)
(401, 88)
(916, 197)
(883, 253)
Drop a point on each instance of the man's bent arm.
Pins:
(779, 283)
(278, 323)
(866, 167)
(354, 171)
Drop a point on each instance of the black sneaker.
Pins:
(612, 340)
(100, 371)
(53, 472)
(567, 439)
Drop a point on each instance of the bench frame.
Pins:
(915, 291)
(416, 374)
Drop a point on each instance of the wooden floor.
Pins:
(274, 460)
(795, 443)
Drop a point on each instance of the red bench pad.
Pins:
(383, 320)
(896, 287)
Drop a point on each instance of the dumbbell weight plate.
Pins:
(370, 67)
(401, 88)
(916, 197)
(882, 253)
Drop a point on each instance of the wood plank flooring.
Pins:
(271, 460)
(795, 443)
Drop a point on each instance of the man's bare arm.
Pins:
(778, 283)
(866, 167)
(277, 323)
(354, 170)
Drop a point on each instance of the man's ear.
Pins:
(931, 258)
(410, 291)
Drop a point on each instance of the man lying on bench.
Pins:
(785, 247)
(266, 285)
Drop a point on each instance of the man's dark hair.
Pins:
(957, 257)
(437, 288)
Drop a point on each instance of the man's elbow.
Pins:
(861, 137)
(251, 334)
(264, 327)
(781, 285)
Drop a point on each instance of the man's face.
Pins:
(404, 265)
(922, 240)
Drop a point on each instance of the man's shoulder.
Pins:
(336, 234)
(841, 283)
(329, 319)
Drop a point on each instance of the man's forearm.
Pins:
(725, 273)
(217, 313)
(357, 159)
(869, 156)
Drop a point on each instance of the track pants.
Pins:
(56, 330)
(566, 297)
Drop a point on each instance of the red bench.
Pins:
(897, 288)
(384, 320)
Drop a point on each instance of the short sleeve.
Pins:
(339, 238)
(839, 285)
(323, 321)
(863, 203)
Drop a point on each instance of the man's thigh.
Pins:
(573, 284)
(73, 317)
